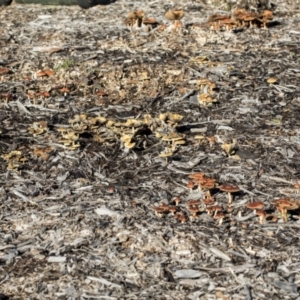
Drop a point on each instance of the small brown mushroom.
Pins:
(213, 210)
(205, 181)
(230, 189)
(220, 216)
(285, 204)
(262, 215)
(255, 205)
(193, 210)
(177, 200)
(181, 217)
(173, 15)
(208, 185)
(150, 23)
(190, 185)
(193, 203)
(172, 210)
(159, 211)
(209, 201)
(135, 18)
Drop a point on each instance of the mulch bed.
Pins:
(101, 123)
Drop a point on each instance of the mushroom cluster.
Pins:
(220, 211)
(137, 19)
(240, 18)
(14, 159)
(207, 204)
(107, 130)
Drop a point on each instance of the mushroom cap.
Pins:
(261, 213)
(129, 145)
(248, 18)
(267, 14)
(219, 215)
(229, 188)
(172, 209)
(193, 203)
(137, 14)
(291, 205)
(208, 201)
(190, 184)
(272, 80)
(206, 180)
(150, 21)
(174, 14)
(193, 209)
(208, 185)
(297, 186)
(181, 217)
(285, 203)
(177, 200)
(228, 22)
(255, 205)
(213, 208)
(217, 17)
(216, 207)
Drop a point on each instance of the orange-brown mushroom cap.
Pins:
(229, 189)
(262, 215)
(174, 14)
(255, 205)
(220, 216)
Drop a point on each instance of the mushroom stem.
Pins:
(230, 198)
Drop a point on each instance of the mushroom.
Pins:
(220, 216)
(217, 18)
(272, 80)
(297, 187)
(266, 17)
(206, 99)
(181, 217)
(172, 210)
(228, 23)
(208, 201)
(193, 210)
(150, 23)
(205, 181)
(208, 184)
(177, 200)
(230, 189)
(255, 205)
(193, 203)
(285, 204)
(190, 185)
(175, 16)
(159, 210)
(135, 18)
(213, 210)
(262, 215)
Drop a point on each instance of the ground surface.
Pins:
(76, 210)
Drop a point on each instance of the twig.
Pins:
(278, 179)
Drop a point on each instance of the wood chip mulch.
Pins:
(150, 152)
